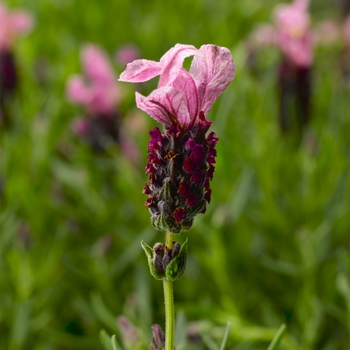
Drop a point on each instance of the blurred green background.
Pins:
(273, 245)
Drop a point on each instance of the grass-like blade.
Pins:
(277, 338)
(227, 331)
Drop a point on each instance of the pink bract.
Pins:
(13, 24)
(182, 95)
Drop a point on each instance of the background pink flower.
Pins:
(97, 90)
(293, 35)
(13, 24)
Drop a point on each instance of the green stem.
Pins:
(169, 240)
(169, 303)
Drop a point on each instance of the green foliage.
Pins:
(272, 247)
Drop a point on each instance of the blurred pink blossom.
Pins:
(98, 90)
(127, 54)
(12, 24)
(291, 33)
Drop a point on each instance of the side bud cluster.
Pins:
(180, 166)
(165, 263)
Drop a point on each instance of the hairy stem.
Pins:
(169, 303)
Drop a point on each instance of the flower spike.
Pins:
(181, 157)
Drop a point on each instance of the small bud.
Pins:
(176, 249)
(177, 266)
(158, 340)
(128, 332)
(150, 257)
(158, 255)
(165, 263)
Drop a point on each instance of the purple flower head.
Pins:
(181, 157)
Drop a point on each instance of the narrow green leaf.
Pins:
(104, 338)
(115, 344)
(227, 331)
(277, 338)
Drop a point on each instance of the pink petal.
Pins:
(185, 83)
(21, 21)
(166, 105)
(76, 90)
(212, 73)
(140, 71)
(96, 64)
(171, 62)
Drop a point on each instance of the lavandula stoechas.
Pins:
(181, 157)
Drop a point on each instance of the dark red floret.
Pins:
(153, 158)
(174, 130)
(197, 177)
(179, 214)
(203, 122)
(149, 201)
(197, 154)
(156, 134)
(207, 195)
(207, 184)
(210, 172)
(212, 139)
(150, 168)
(211, 156)
(156, 140)
(191, 200)
(146, 190)
(189, 165)
(184, 189)
(190, 143)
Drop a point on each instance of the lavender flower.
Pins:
(12, 24)
(97, 90)
(181, 157)
(291, 33)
